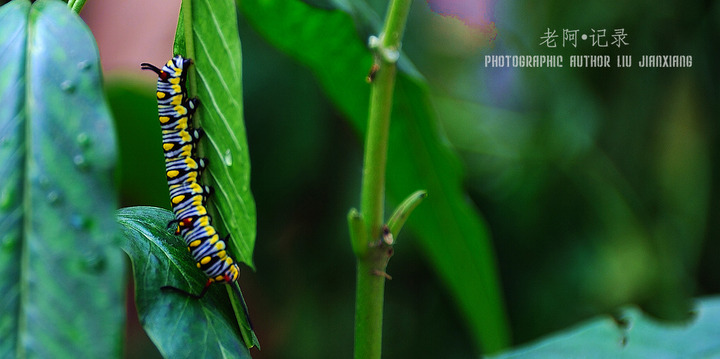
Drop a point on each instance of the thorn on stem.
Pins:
(373, 71)
(380, 273)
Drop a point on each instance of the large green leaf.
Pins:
(450, 229)
(207, 32)
(634, 336)
(180, 326)
(215, 49)
(60, 273)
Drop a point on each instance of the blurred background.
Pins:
(599, 186)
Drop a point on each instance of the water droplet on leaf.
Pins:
(83, 65)
(228, 158)
(67, 86)
(53, 197)
(83, 140)
(43, 181)
(79, 222)
(80, 162)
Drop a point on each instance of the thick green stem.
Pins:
(373, 255)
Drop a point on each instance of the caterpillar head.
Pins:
(173, 69)
(180, 62)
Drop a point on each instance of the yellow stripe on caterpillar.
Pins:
(181, 110)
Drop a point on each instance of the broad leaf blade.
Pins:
(452, 232)
(180, 327)
(13, 41)
(218, 65)
(215, 47)
(639, 337)
(59, 268)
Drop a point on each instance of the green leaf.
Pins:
(636, 336)
(403, 210)
(209, 35)
(215, 49)
(180, 326)
(452, 232)
(61, 275)
(243, 316)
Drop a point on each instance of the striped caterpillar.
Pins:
(183, 170)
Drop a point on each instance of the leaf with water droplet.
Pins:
(57, 212)
(219, 88)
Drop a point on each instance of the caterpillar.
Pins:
(183, 170)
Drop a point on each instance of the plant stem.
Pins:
(372, 259)
(189, 43)
(76, 5)
(373, 184)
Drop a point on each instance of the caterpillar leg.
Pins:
(173, 223)
(195, 296)
(192, 105)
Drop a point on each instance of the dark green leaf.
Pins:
(61, 275)
(180, 326)
(635, 336)
(450, 229)
(218, 65)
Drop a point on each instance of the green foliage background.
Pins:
(598, 187)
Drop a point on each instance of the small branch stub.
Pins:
(402, 212)
(380, 273)
(390, 54)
